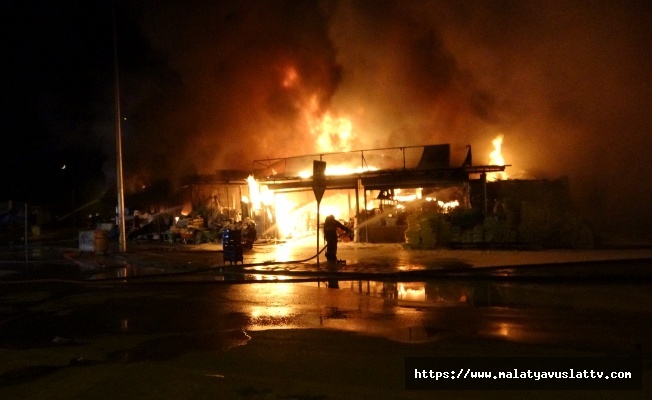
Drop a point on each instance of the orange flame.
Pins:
(496, 158)
(254, 193)
(332, 133)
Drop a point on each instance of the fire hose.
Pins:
(211, 269)
(171, 274)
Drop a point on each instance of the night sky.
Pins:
(216, 84)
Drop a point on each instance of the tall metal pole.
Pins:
(120, 218)
(364, 208)
(26, 249)
(483, 177)
(358, 183)
(318, 201)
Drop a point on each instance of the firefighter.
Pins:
(331, 225)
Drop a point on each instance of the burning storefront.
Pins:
(373, 190)
(406, 195)
(413, 195)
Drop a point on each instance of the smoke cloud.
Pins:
(567, 83)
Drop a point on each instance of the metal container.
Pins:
(232, 246)
(95, 241)
(87, 241)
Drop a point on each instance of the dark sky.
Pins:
(202, 88)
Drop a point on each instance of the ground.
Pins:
(302, 331)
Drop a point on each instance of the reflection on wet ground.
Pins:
(63, 335)
(611, 318)
(608, 318)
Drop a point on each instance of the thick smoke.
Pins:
(249, 72)
(567, 83)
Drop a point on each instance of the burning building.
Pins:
(413, 194)
(372, 190)
(224, 194)
(409, 194)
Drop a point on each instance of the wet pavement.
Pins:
(298, 258)
(83, 326)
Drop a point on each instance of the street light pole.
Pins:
(120, 218)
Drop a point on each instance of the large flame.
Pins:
(496, 158)
(332, 133)
(295, 212)
(260, 196)
(254, 193)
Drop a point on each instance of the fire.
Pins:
(496, 158)
(289, 216)
(260, 196)
(254, 193)
(332, 133)
(446, 207)
(295, 213)
(399, 195)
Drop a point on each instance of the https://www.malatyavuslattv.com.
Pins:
(555, 373)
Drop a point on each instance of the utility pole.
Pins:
(26, 249)
(120, 218)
